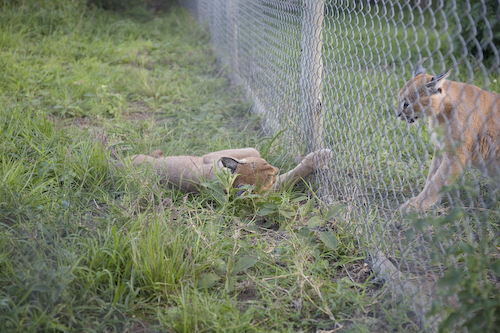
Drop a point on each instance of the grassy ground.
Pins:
(86, 247)
(369, 52)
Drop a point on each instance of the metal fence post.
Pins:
(310, 81)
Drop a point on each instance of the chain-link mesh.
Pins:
(343, 75)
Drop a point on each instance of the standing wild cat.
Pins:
(469, 118)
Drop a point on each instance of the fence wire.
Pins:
(344, 75)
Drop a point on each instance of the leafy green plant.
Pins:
(470, 281)
(480, 28)
(222, 190)
(227, 269)
(279, 207)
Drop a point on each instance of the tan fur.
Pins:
(469, 120)
(187, 172)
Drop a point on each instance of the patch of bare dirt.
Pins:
(247, 291)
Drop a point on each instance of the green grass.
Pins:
(370, 53)
(85, 246)
(379, 162)
(88, 247)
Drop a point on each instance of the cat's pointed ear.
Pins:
(419, 69)
(436, 83)
(230, 163)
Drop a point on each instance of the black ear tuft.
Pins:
(437, 82)
(419, 68)
(229, 163)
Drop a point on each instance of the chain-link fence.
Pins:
(345, 75)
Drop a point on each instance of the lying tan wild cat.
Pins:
(187, 172)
